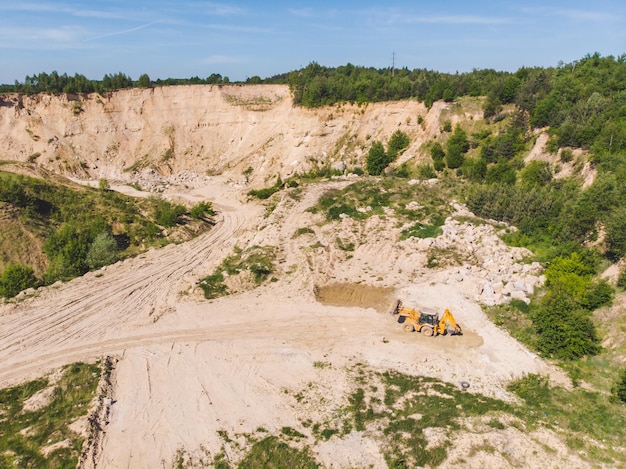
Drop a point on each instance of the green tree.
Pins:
(15, 278)
(398, 142)
(536, 173)
(67, 250)
(377, 160)
(615, 226)
(456, 147)
(437, 152)
(492, 106)
(144, 81)
(103, 251)
(563, 333)
(475, 169)
(501, 173)
(621, 280)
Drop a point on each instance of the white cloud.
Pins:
(302, 12)
(64, 34)
(453, 19)
(220, 59)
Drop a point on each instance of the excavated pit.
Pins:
(353, 294)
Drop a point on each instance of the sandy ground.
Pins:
(190, 368)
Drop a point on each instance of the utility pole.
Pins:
(393, 64)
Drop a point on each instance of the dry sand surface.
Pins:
(189, 369)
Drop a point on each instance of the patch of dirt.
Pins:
(40, 399)
(357, 295)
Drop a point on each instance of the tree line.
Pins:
(55, 83)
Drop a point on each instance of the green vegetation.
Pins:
(619, 390)
(202, 210)
(80, 228)
(367, 198)
(24, 433)
(15, 278)
(303, 230)
(559, 409)
(559, 324)
(275, 454)
(316, 85)
(422, 230)
(56, 83)
(377, 159)
(257, 260)
(313, 175)
(167, 213)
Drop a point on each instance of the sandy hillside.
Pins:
(189, 371)
(224, 129)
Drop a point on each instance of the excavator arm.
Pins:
(449, 324)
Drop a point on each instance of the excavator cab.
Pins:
(429, 318)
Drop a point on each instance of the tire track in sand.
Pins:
(82, 316)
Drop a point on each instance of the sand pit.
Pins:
(193, 374)
(356, 295)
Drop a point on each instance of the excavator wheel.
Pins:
(408, 327)
(427, 331)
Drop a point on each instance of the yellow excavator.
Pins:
(426, 321)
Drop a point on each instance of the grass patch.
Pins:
(24, 433)
(271, 453)
(424, 230)
(344, 245)
(258, 260)
(560, 409)
(371, 197)
(514, 318)
(302, 231)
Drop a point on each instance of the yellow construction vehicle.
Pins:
(426, 321)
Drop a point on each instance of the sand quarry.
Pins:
(188, 370)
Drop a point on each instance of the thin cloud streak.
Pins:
(126, 31)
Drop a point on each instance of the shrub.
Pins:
(398, 142)
(564, 333)
(426, 171)
(202, 209)
(67, 250)
(533, 388)
(536, 173)
(15, 278)
(377, 160)
(167, 213)
(567, 155)
(267, 192)
(213, 286)
(103, 251)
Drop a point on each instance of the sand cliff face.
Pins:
(203, 128)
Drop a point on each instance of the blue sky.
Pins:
(240, 39)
